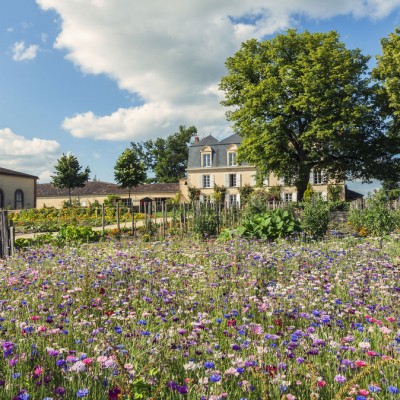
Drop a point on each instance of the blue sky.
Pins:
(90, 76)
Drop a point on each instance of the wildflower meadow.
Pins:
(207, 320)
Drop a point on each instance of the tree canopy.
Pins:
(166, 158)
(129, 170)
(68, 174)
(303, 102)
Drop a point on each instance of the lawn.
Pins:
(184, 319)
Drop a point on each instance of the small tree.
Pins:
(245, 192)
(68, 174)
(194, 194)
(129, 171)
(219, 193)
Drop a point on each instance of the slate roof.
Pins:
(105, 188)
(351, 195)
(5, 171)
(219, 151)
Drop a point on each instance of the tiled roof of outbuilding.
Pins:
(105, 188)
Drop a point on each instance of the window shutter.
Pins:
(266, 181)
(282, 196)
(253, 180)
(226, 180)
(238, 199)
(238, 180)
(212, 180)
(311, 180)
(324, 196)
(294, 196)
(201, 182)
(201, 198)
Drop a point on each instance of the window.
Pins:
(318, 177)
(1, 199)
(206, 159)
(233, 200)
(232, 180)
(232, 158)
(19, 199)
(206, 181)
(288, 197)
(127, 202)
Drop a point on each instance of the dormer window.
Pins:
(232, 158)
(206, 157)
(231, 153)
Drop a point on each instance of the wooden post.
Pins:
(133, 220)
(103, 218)
(118, 225)
(12, 239)
(4, 235)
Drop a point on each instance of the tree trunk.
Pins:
(69, 195)
(302, 182)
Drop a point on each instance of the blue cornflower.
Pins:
(392, 389)
(142, 322)
(374, 388)
(117, 329)
(215, 378)
(82, 392)
(16, 375)
(209, 364)
(360, 397)
(145, 333)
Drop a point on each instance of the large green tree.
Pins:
(166, 158)
(303, 101)
(129, 170)
(68, 174)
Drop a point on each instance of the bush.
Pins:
(206, 222)
(273, 224)
(315, 218)
(377, 219)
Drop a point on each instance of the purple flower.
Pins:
(82, 392)
(340, 378)
(118, 329)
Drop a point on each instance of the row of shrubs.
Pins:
(311, 218)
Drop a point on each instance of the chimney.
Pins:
(196, 139)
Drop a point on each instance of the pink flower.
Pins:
(38, 371)
(88, 361)
(363, 392)
(391, 319)
(360, 363)
(321, 383)
(372, 353)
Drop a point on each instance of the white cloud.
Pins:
(33, 156)
(22, 53)
(171, 53)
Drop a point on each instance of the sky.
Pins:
(91, 76)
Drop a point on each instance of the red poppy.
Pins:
(231, 322)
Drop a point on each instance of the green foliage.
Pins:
(219, 193)
(377, 219)
(167, 158)
(76, 235)
(194, 194)
(257, 203)
(129, 170)
(302, 101)
(206, 222)
(308, 193)
(245, 193)
(68, 174)
(273, 224)
(111, 200)
(334, 193)
(315, 218)
(274, 193)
